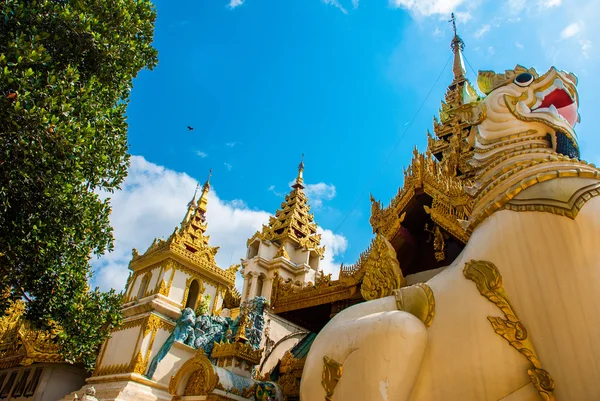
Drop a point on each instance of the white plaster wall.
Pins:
(178, 286)
(280, 348)
(159, 340)
(136, 287)
(280, 328)
(219, 302)
(267, 251)
(285, 275)
(297, 256)
(61, 380)
(209, 290)
(55, 381)
(154, 278)
(166, 276)
(120, 346)
(177, 356)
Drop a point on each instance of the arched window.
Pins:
(193, 293)
(143, 286)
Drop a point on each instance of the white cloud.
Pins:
(482, 31)
(516, 6)
(278, 194)
(201, 154)
(519, 45)
(235, 3)
(355, 3)
(570, 30)
(317, 193)
(549, 3)
(229, 166)
(427, 7)
(152, 202)
(232, 144)
(491, 50)
(335, 245)
(586, 46)
(337, 5)
(462, 17)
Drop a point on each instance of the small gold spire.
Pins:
(202, 202)
(192, 202)
(299, 179)
(457, 45)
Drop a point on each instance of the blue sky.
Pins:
(263, 81)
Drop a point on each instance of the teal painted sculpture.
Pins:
(183, 333)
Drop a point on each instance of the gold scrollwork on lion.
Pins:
(488, 280)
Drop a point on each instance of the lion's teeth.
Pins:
(553, 110)
(523, 107)
(558, 84)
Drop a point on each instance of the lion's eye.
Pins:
(524, 79)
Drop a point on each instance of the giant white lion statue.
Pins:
(516, 316)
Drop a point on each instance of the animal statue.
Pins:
(516, 316)
(183, 333)
(210, 329)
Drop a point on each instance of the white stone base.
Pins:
(124, 387)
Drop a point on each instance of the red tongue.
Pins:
(558, 97)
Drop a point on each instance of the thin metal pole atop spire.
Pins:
(457, 45)
(453, 20)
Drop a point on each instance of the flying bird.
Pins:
(190, 128)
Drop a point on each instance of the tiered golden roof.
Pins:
(190, 241)
(422, 226)
(293, 221)
(443, 171)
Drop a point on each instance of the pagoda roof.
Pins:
(190, 242)
(293, 221)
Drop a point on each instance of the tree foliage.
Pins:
(66, 69)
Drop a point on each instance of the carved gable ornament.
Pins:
(382, 271)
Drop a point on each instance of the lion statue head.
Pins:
(521, 100)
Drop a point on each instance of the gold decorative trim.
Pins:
(332, 372)
(238, 350)
(199, 362)
(418, 300)
(128, 376)
(551, 172)
(488, 280)
(20, 344)
(382, 271)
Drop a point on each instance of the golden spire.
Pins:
(299, 179)
(193, 227)
(191, 206)
(203, 201)
(293, 221)
(457, 45)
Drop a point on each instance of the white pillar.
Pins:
(246, 278)
(267, 287)
(253, 283)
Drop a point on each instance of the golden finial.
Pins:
(203, 197)
(193, 201)
(206, 185)
(457, 45)
(300, 180)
